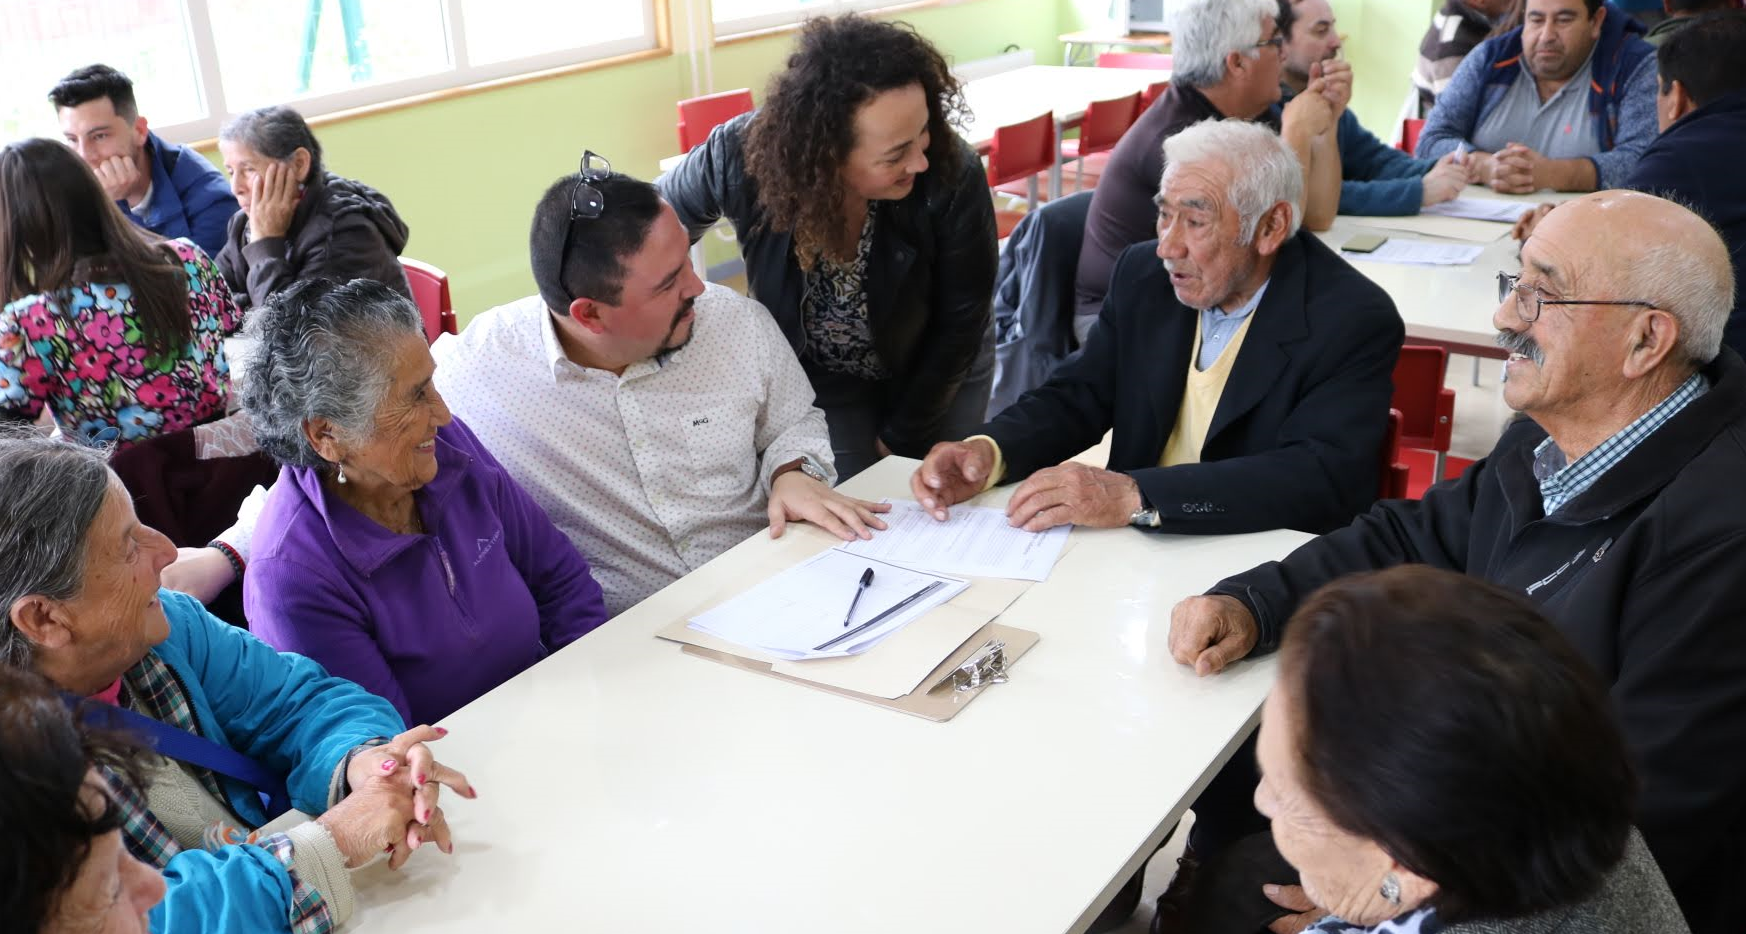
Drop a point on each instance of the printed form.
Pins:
(974, 541)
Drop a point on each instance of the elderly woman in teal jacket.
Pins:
(243, 733)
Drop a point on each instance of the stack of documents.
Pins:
(799, 613)
(1481, 209)
(1419, 253)
(974, 541)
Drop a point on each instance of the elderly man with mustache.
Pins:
(1615, 505)
(1244, 367)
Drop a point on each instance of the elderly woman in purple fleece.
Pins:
(393, 549)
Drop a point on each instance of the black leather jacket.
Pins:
(930, 277)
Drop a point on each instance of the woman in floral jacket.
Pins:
(118, 334)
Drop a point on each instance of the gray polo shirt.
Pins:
(1561, 128)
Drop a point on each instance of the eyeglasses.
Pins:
(1277, 42)
(1507, 283)
(586, 202)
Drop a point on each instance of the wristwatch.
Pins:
(1145, 517)
(805, 465)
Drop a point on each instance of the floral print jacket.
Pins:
(83, 355)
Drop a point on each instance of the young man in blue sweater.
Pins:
(1566, 101)
(1375, 178)
(168, 189)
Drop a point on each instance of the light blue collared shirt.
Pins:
(1218, 327)
(1562, 481)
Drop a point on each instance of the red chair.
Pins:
(430, 291)
(1102, 128)
(1020, 152)
(699, 115)
(1392, 481)
(1410, 129)
(1427, 409)
(1152, 92)
(1156, 61)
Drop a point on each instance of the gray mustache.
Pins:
(1522, 344)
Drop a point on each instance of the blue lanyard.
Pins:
(183, 746)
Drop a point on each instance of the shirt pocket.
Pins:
(719, 447)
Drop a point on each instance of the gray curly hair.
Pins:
(318, 354)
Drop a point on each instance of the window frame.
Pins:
(461, 77)
(752, 26)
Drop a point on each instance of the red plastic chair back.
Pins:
(1427, 407)
(699, 115)
(1022, 150)
(1392, 480)
(1152, 92)
(430, 291)
(1154, 60)
(1105, 122)
(1409, 134)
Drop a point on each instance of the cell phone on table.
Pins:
(1363, 243)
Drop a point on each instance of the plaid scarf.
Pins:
(151, 688)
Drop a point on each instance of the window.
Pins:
(733, 17)
(195, 62)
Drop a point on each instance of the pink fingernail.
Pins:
(388, 765)
(420, 778)
(441, 731)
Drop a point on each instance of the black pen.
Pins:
(901, 604)
(866, 579)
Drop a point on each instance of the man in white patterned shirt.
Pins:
(657, 420)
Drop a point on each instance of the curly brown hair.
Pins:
(839, 64)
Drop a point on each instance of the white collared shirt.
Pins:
(653, 472)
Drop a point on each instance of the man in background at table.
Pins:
(1374, 177)
(1566, 102)
(1455, 30)
(1701, 109)
(1244, 367)
(1226, 64)
(1615, 505)
(168, 189)
(658, 421)
(1680, 13)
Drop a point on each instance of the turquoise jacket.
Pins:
(290, 715)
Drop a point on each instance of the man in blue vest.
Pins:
(1566, 101)
(168, 189)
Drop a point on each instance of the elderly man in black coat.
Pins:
(1247, 376)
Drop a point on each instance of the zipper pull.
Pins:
(448, 571)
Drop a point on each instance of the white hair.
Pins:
(1208, 30)
(1264, 170)
(1699, 294)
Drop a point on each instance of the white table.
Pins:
(1018, 95)
(1450, 306)
(627, 787)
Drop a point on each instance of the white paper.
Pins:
(1419, 253)
(974, 541)
(788, 616)
(1481, 209)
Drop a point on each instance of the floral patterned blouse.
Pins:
(88, 361)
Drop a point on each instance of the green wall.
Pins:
(465, 172)
(1382, 43)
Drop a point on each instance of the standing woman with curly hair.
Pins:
(867, 230)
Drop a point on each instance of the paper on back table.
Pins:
(1419, 253)
(975, 541)
(788, 614)
(1481, 209)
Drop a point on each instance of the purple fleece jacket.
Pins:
(431, 621)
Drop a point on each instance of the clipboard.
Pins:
(935, 699)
